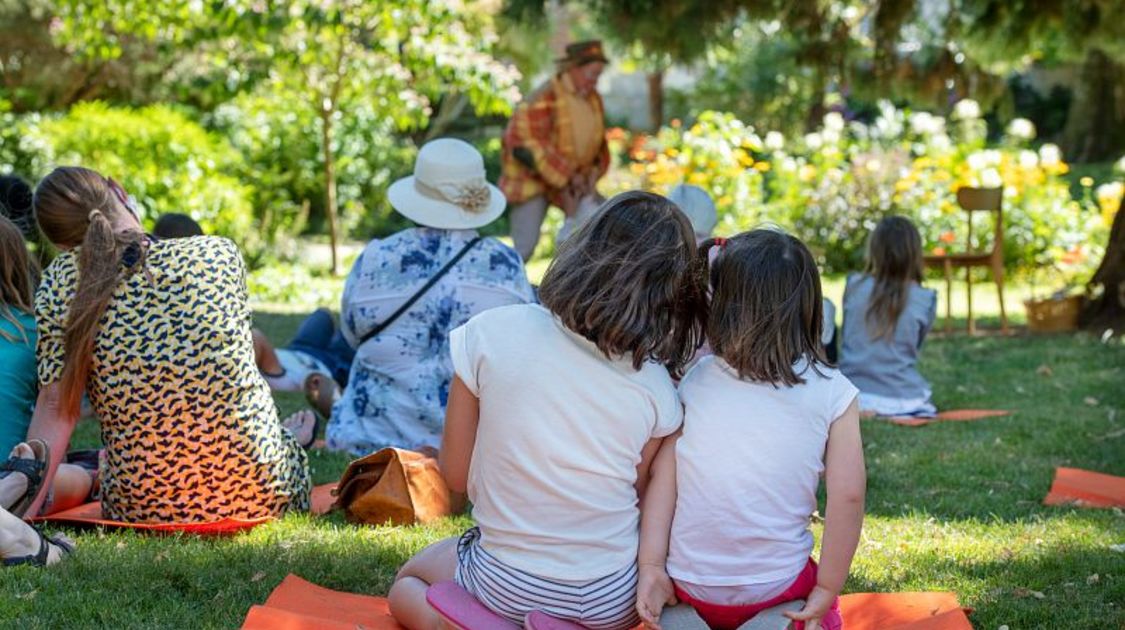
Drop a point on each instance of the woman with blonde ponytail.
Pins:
(157, 334)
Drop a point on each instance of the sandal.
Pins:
(40, 558)
(321, 392)
(33, 469)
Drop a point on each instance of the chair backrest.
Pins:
(985, 200)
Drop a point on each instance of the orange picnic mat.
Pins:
(299, 605)
(90, 514)
(953, 415)
(903, 611)
(1086, 489)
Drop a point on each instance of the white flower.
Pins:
(966, 109)
(834, 121)
(1120, 165)
(789, 165)
(1110, 192)
(830, 136)
(1049, 155)
(1021, 128)
(813, 141)
(925, 123)
(980, 160)
(775, 141)
(990, 178)
(941, 142)
(1028, 159)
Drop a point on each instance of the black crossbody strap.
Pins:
(422, 291)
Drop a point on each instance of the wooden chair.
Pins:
(976, 200)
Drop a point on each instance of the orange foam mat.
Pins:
(903, 611)
(300, 605)
(90, 514)
(953, 415)
(1086, 489)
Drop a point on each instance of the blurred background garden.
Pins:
(280, 124)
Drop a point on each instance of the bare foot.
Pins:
(14, 485)
(303, 426)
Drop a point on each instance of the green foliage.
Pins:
(166, 160)
(831, 186)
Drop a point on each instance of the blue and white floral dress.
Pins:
(399, 381)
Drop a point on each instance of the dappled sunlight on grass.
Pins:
(953, 506)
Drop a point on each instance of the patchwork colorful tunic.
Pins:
(560, 132)
(190, 429)
(399, 382)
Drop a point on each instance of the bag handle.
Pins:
(419, 293)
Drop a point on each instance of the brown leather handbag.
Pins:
(393, 486)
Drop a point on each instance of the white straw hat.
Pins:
(448, 189)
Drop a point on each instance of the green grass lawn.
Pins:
(952, 507)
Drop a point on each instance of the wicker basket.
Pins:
(1053, 315)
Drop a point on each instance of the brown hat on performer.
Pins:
(582, 53)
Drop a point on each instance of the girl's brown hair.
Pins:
(77, 208)
(894, 261)
(627, 281)
(17, 272)
(766, 311)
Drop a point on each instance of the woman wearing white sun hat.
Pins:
(407, 291)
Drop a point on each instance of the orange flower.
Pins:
(947, 237)
(939, 251)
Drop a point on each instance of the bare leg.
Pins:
(71, 486)
(436, 563)
(264, 354)
(18, 539)
(526, 220)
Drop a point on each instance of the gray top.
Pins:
(882, 367)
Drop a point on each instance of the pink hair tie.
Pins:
(721, 242)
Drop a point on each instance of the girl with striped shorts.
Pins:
(554, 416)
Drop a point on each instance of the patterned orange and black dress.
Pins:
(190, 430)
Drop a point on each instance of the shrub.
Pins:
(166, 160)
(831, 186)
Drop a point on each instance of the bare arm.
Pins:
(846, 481)
(462, 415)
(51, 425)
(654, 588)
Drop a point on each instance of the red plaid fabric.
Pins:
(541, 125)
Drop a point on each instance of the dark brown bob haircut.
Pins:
(766, 310)
(627, 280)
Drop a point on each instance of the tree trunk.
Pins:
(1095, 120)
(329, 183)
(1108, 309)
(656, 98)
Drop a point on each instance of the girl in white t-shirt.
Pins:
(554, 416)
(727, 510)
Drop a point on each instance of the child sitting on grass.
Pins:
(554, 416)
(725, 523)
(887, 314)
(21, 474)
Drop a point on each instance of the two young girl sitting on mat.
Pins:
(560, 416)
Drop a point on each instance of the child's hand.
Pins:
(654, 591)
(816, 606)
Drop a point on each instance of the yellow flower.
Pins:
(762, 167)
(1086, 181)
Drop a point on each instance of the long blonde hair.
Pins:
(17, 287)
(75, 207)
(894, 261)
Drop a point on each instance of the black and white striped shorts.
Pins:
(606, 603)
